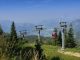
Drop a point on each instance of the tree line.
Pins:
(10, 47)
(68, 36)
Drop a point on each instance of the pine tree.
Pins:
(13, 35)
(1, 30)
(13, 40)
(70, 42)
(2, 41)
(39, 50)
(59, 41)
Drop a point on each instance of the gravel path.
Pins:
(69, 53)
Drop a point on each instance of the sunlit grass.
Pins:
(28, 45)
(51, 51)
(73, 49)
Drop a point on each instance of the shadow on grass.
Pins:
(56, 58)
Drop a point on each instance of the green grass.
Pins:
(73, 49)
(51, 51)
(28, 45)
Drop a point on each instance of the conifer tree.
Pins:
(59, 41)
(39, 50)
(13, 35)
(70, 42)
(13, 40)
(2, 41)
(1, 30)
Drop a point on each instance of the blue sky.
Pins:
(34, 11)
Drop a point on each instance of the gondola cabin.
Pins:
(54, 35)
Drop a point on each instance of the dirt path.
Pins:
(69, 53)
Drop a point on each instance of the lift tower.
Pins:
(63, 26)
(39, 28)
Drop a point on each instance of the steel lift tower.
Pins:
(39, 28)
(63, 26)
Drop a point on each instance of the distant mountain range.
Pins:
(48, 26)
(30, 27)
(6, 25)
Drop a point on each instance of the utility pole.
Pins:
(63, 27)
(39, 28)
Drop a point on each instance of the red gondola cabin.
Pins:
(54, 35)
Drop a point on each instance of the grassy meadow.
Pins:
(51, 52)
